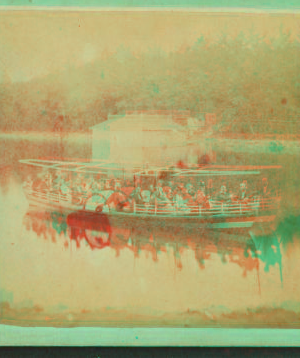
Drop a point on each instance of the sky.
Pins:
(37, 43)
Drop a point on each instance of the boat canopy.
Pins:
(103, 167)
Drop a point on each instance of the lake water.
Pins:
(51, 273)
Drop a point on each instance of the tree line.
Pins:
(252, 83)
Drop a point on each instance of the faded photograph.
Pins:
(149, 169)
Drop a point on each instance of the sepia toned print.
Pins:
(149, 172)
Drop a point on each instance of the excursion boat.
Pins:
(206, 196)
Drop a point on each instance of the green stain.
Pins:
(287, 230)
(276, 147)
(59, 223)
(155, 88)
(267, 248)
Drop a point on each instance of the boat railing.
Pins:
(214, 207)
(58, 197)
(167, 207)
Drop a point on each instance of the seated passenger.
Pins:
(100, 187)
(168, 185)
(146, 195)
(77, 185)
(136, 195)
(200, 197)
(179, 203)
(48, 180)
(168, 192)
(94, 187)
(118, 200)
(92, 182)
(86, 189)
(152, 194)
(242, 193)
(190, 189)
(223, 195)
(76, 190)
(188, 199)
(107, 191)
(159, 194)
(65, 189)
(57, 181)
(64, 186)
(137, 182)
(107, 185)
(178, 189)
(168, 189)
(128, 188)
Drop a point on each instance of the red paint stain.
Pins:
(284, 101)
(181, 164)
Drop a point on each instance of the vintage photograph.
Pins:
(149, 169)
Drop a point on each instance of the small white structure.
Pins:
(144, 137)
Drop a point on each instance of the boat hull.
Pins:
(130, 218)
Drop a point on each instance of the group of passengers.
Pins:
(123, 194)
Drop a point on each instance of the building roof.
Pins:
(105, 125)
(143, 120)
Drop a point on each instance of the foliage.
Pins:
(249, 82)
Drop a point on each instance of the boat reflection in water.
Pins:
(246, 249)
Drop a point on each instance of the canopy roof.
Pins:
(104, 166)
